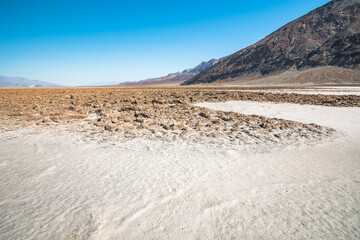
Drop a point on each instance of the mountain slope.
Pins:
(328, 35)
(175, 78)
(325, 75)
(23, 82)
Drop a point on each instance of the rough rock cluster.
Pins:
(161, 113)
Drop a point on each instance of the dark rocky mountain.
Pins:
(326, 36)
(23, 82)
(175, 78)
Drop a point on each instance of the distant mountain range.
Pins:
(175, 78)
(327, 38)
(23, 82)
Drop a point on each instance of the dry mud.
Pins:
(168, 114)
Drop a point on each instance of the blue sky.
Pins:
(98, 42)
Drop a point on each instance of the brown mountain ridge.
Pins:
(175, 78)
(326, 36)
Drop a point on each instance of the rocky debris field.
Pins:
(167, 113)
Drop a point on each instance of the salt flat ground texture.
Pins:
(337, 90)
(57, 185)
(319, 90)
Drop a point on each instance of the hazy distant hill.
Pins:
(175, 78)
(326, 36)
(23, 82)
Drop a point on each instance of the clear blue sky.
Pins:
(86, 42)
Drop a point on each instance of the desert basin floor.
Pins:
(56, 184)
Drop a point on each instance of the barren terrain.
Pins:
(178, 163)
(318, 75)
(166, 113)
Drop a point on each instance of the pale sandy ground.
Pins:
(318, 90)
(311, 91)
(57, 185)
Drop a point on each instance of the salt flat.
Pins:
(58, 185)
(324, 90)
(345, 119)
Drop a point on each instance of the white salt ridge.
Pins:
(56, 185)
(313, 91)
(310, 92)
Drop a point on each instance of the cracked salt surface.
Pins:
(324, 90)
(314, 91)
(58, 185)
